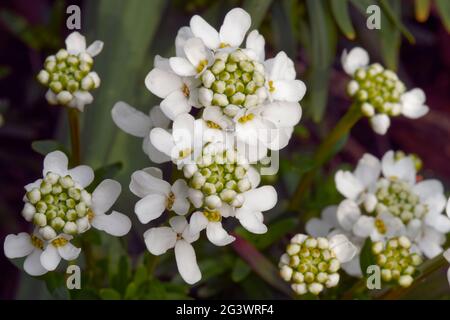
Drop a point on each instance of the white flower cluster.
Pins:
(246, 106)
(59, 208)
(311, 264)
(384, 199)
(68, 74)
(379, 92)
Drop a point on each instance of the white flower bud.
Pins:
(40, 219)
(198, 181)
(405, 280)
(64, 97)
(396, 109)
(322, 243)
(315, 288)
(352, 88)
(94, 76)
(416, 260)
(83, 225)
(334, 265)
(286, 273)
(299, 288)
(251, 100)
(244, 185)
(208, 78)
(213, 202)
(238, 201)
(370, 202)
(367, 109)
(66, 182)
(311, 243)
(62, 54)
(86, 57)
(52, 178)
(70, 227)
(404, 242)
(284, 258)
(231, 110)
(86, 197)
(333, 280)
(293, 249)
(87, 83)
(205, 96)
(261, 93)
(28, 211)
(189, 170)
(298, 277)
(34, 195)
(386, 275)
(380, 123)
(299, 238)
(377, 247)
(219, 99)
(294, 261)
(43, 77)
(47, 232)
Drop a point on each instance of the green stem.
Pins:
(325, 151)
(74, 125)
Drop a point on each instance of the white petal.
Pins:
(288, 90)
(196, 52)
(162, 83)
(182, 67)
(50, 258)
(162, 140)
(95, 48)
(184, 33)
(226, 211)
(234, 27)
(348, 185)
(187, 262)
(198, 222)
(178, 224)
(51, 97)
(413, 105)
(116, 223)
(162, 63)
(55, 162)
(448, 207)
(83, 175)
(196, 197)
(428, 188)
(343, 248)
(150, 207)
(403, 169)
(356, 58)
(447, 255)
(159, 240)
(329, 214)
(380, 123)
(69, 251)
(75, 43)
(368, 170)
(158, 118)
(217, 234)
(175, 104)
(348, 214)
(154, 154)
(82, 98)
(253, 176)
(438, 221)
(180, 190)
(364, 226)
(260, 199)
(147, 181)
(17, 246)
(282, 114)
(131, 120)
(317, 227)
(281, 67)
(203, 30)
(33, 265)
(429, 248)
(105, 195)
(251, 221)
(256, 42)
(353, 267)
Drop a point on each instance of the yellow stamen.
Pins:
(60, 242)
(184, 153)
(213, 125)
(185, 90)
(246, 118)
(213, 216)
(90, 215)
(271, 87)
(201, 65)
(36, 242)
(381, 227)
(223, 45)
(170, 201)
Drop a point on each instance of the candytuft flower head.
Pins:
(60, 207)
(311, 264)
(397, 262)
(68, 74)
(379, 92)
(384, 200)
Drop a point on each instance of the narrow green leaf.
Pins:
(366, 257)
(44, 147)
(240, 270)
(342, 17)
(390, 34)
(392, 11)
(281, 27)
(443, 7)
(130, 292)
(109, 294)
(422, 10)
(257, 10)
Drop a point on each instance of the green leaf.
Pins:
(366, 257)
(443, 7)
(392, 9)
(44, 147)
(422, 9)
(281, 27)
(109, 294)
(240, 270)
(390, 36)
(130, 292)
(342, 17)
(56, 285)
(140, 275)
(321, 52)
(257, 10)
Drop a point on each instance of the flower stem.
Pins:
(74, 125)
(325, 151)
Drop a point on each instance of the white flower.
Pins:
(62, 190)
(250, 213)
(281, 82)
(211, 221)
(232, 32)
(371, 84)
(195, 61)
(447, 257)
(179, 94)
(57, 248)
(138, 124)
(71, 88)
(178, 236)
(157, 195)
(24, 245)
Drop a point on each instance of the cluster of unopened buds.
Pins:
(68, 74)
(312, 264)
(396, 261)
